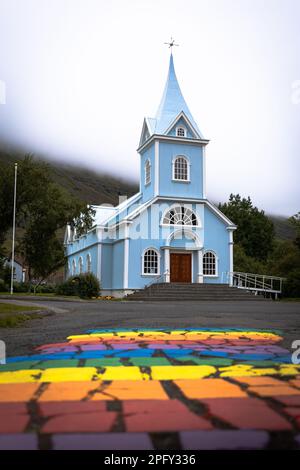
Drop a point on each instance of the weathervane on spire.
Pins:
(171, 43)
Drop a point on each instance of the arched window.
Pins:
(80, 265)
(147, 172)
(209, 264)
(73, 267)
(88, 263)
(180, 215)
(180, 132)
(150, 262)
(181, 169)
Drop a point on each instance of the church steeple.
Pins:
(172, 103)
(172, 107)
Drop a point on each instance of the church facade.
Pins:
(169, 231)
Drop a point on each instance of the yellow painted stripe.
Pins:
(81, 374)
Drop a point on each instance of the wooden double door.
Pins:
(181, 267)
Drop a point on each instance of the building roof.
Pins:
(171, 106)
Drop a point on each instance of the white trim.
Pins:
(167, 264)
(200, 266)
(158, 262)
(230, 257)
(184, 131)
(147, 177)
(188, 180)
(176, 204)
(171, 138)
(216, 263)
(221, 215)
(183, 116)
(156, 168)
(128, 219)
(145, 127)
(99, 261)
(88, 255)
(183, 228)
(80, 265)
(126, 257)
(204, 173)
(74, 267)
(183, 200)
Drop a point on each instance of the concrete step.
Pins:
(199, 299)
(192, 292)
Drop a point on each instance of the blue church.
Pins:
(168, 231)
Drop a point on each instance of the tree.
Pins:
(43, 210)
(246, 264)
(255, 231)
(295, 221)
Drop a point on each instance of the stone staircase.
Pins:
(192, 292)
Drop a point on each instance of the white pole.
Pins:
(14, 233)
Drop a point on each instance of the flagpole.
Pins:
(14, 233)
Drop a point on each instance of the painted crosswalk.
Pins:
(152, 389)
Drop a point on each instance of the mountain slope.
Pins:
(88, 186)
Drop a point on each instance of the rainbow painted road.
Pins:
(153, 389)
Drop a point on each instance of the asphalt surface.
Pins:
(62, 318)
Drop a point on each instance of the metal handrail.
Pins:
(157, 279)
(256, 282)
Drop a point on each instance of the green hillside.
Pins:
(89, 186)
(283, 229)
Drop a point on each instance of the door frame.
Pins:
(185, 252)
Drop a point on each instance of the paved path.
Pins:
(152, 376)
(165, 388)
(76, 317)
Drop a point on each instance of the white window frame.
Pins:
(80, 265)
(158, 262)
(147, 171)
(188, 172)
(179, 128)
(74, 267)
(179, 225)
(216, 264)
(88, 263)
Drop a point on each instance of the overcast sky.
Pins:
(78, 77)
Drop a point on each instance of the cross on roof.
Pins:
(171, 43)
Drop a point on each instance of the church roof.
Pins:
(172, 103)
(172, 107)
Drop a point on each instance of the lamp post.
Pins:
(14, 233)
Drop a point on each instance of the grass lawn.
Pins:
(31, 294)
(14, 315)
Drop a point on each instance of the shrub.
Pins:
(85, 286)
(67, 288)
(88, 286)
(21, 287)
(3, 287)
(45, 289)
